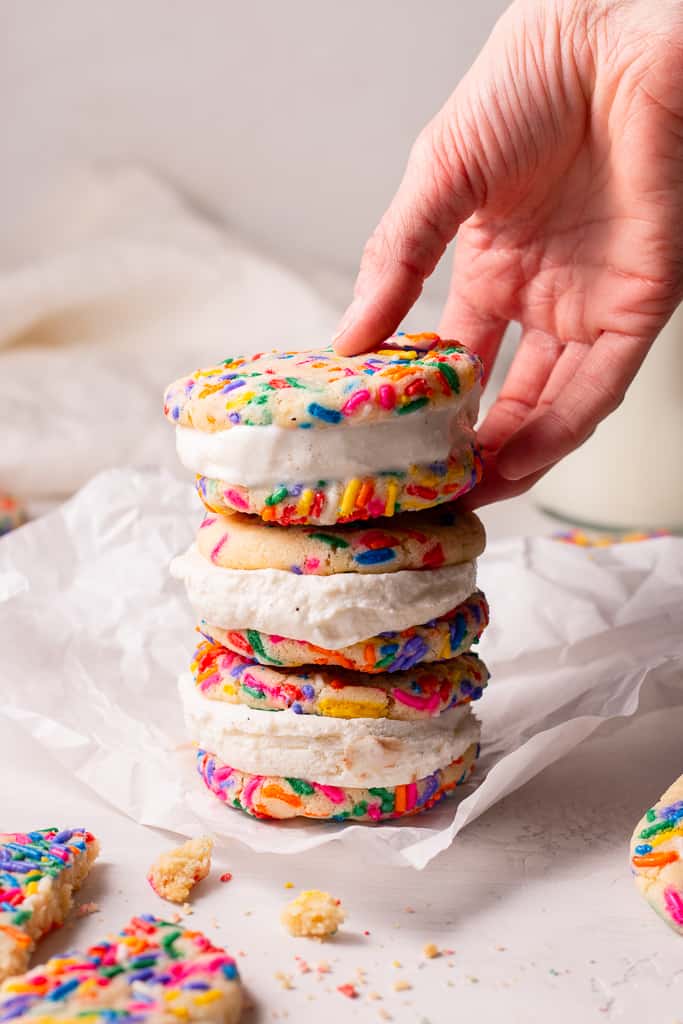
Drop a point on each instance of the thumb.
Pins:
(438, 192)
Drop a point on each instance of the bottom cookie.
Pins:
(270, 796)
(657, 856)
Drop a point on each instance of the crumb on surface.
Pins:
(285, 980)
(176, 872)
(226, 876)
(348, 990)
(402, 985)
(431, 951)
(87, 908)
(313, 914)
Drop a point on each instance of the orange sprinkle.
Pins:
(365, 493)
(276, 792)
(400, 799)
(655, 860)
(21, 938)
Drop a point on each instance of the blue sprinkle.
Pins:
(229, 971)
(321, 412)
(199, 986)
(457, 628)
(296, 490)
(175, 412)
(232, 386)
(144, 975)
(234, 417)
(643, 848)
(466, 687)
(308, 691)
(305, 426)
(376, 556)
(297, 570)
(63, 990)
(296, 708)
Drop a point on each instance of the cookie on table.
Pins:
(150, 972)
(175, 873)
(39, 872)
(276, 797)
(420, 692)
(313, 437)
(313, 915)
(657, 856)
(423, 540)
(443, 638)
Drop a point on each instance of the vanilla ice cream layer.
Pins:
(329, 611)
(333, 751)
(270, 456)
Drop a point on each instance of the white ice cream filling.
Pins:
(267, 456)
(353, 752)
(328, 611)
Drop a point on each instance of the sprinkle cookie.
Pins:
(38, 874)
(420, 692)
(312, 437)
(426, 540)
(277, 797)
(151, 972)
(657, 856)
(442, 638)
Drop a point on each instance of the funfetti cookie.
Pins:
(39, 872)
(439, 639)
(313, 437)
(657, 856)
(151, 972)
(418, 693)
(272, 796)
(425, 540)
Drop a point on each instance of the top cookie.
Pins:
(319, 388)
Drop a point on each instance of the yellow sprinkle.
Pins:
(289, 885)
(179, 1011)
(392, 491)
(31, 888)
(422, 336)
(396, 963)
(430, 951)
(349, 497)
(171, 994)
(333, 707)
(203, 998)
(664, 836)
(403, 353)
(304, 504)
(245, 396)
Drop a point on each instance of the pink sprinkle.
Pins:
(374, 811)
(222, 773)
(208, 520)
(226, 876)
(335, 795)
(376, 507)
(275, 639)
(217, 549)
(411, 796)
(236, 499)
(387, 396)
(356, 399)
(673, 902)
(248, 790)
(429, 704)
(311, 564)
(208, 682)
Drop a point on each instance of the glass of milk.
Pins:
(629, 474)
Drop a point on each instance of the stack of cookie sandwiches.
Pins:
(333, 578)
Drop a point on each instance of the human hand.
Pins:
(561, 155)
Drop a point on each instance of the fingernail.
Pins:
(349, 318)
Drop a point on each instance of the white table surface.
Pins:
(535, 898)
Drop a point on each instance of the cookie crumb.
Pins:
(402, 985)
(87, 908)
(323, 967)
(384, 1014)
(396, 963)
(176, 872)
(374, 996)
(285, 980)
(431, 951)
(289, 885)
(313, 914)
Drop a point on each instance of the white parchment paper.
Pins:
(94, 633)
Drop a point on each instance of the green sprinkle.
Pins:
(419, 403)
(22, 916)
(387, 798)
(261, 399)
(254, 638)
(450, 376)
(384, 662)
(295, 383)
(360, 808)
(277, 496)
(651, 815)
(663, 826)
(253, 692)
(328, 538)
(110, 972)
(167, 943)
(300, 787)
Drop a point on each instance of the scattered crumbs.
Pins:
(431, 951)
(289, 885)
(348, 990)
(366, 932)
(285, 980)
(313, 915)
(449, 963)
(361, 974)
(186, 909)
(448, 952)
(176, 918)
(451, 984)
(248, 913)
(302, 965)
(226, 876)
(501, 949)
(241, 952)
(374, 996)
(408, 910)
(396, 963)
(87, 908)
(402, 985)
(473, 978)
(323, 967)
(384, 1014)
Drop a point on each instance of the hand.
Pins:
(561, 155)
